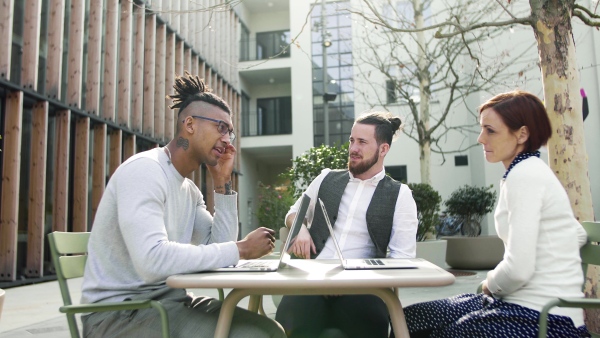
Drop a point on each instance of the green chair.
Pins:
(69, 255)
(590, 254)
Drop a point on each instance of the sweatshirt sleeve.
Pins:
(523, 194)
(141, 193)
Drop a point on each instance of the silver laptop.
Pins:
(265, 265)
(365, 263)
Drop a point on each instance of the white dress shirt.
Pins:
(350, 227)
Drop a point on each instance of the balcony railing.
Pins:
(260, 123)
(266, 45)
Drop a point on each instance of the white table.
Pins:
(315, 277)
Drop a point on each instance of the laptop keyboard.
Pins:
(255, 265)
(374, 262)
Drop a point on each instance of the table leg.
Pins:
(254, 303)
(395, 309)
(226, 314)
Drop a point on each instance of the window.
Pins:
(397, 172)
(271, 44)
(274, 116)
(244, 43)
(461, 160)
(390, 89)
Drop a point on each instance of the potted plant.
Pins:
(428, 202)
(467, 206)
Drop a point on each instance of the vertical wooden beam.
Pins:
(56, 24)
(149, 75)
(114, 159)
(194, 69)
(75, 64)
(187, 59)
(159, 87)
(175, 16)
(94, 58)
(11, 169)
(37, 191)
(128, 146)
(184, 21)
(81, 174)
(111, 49)
(98, 167)
(137, 90)
(61, 170)
(125, 64)
(6, 33)
(31, 44)
(169, 81)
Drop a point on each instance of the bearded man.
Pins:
(373, 216)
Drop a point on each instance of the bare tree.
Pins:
(418, 69)
(551, 21)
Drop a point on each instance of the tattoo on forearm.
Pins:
(225, 190)
(183, 143)
(228, 188)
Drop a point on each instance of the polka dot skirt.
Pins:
(479, 315)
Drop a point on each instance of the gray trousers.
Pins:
(189, 316)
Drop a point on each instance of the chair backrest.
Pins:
(69, 255)
(590, 253)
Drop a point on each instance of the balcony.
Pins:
(266, 45)
(273, 116)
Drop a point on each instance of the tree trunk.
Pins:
(567, 154)
(424, 96)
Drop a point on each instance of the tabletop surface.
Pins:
(307, 274)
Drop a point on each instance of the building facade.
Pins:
(295, 76)
(83, 86)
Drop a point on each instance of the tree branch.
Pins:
(582, 14)
(461, 30)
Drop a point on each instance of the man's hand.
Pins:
(303, 244)
(256, 244)
(484, 288)
(221, 172)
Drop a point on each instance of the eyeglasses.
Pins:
(222, 127)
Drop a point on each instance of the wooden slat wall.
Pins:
(31, 44)
(61, 171)
(125, 64)
(55, 48)
(149, 75)
(37, 191)
(137, 91)
(111, 49)
(139, 60)
(80, 174)
(99, 165)
(159, 85)
(169, 80)
(94, 58)
(11, 168)
(6, 32)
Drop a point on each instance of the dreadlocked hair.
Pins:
(189, 88)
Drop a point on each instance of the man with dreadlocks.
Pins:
(152, 222)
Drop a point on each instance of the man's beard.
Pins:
(362, 166)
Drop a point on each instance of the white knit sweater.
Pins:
(152, 223)
(541, 238)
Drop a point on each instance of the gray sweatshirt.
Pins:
(152, 223)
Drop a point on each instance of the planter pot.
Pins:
(474, 253)
(433, 251)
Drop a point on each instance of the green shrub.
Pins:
(428, 205)
(471, 203)
(273, 203)
(309, 165)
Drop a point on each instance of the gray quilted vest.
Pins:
(380, 213)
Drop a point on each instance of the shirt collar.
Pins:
(372, 181)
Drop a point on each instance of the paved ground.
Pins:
(32, 311)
